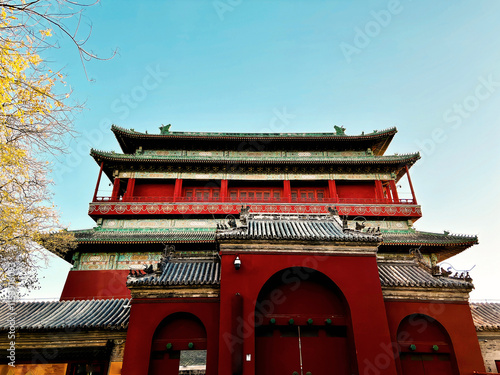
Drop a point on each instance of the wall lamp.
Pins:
(237, 263)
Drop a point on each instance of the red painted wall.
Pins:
(149, 189)
(361, 290)
(104, 284)
(355, 189)
(455, 318)
(146, 316)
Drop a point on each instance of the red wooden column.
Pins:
(287, 191)
(332, 188)
(116, 189)
(98, 182)
(223, 190)
(411, 185)
(177, 188)
(129, 193)
(379, 191)
(394, 190)
(388, 193)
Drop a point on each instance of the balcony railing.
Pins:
(255, 200)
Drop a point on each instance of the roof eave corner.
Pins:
(387, 142)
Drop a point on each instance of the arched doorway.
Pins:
(302, 326)
(181, 337)
(425, 347)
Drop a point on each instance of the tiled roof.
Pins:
(306, 227)
(99, 156)
(183, 272)
(84, 314)
(130, 140)
(143, 236)
(259, 229)
(401, 273)
(427, 238)
(131, 132)
(410, 273)
(486, 316)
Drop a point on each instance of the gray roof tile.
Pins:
(183, 272)
(410, 273)
(301, 227)
(82, 314)
(486, 316)
(427, 238)
(156, 236)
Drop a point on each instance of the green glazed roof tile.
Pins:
(367, 159)
(412, 237)
(141, 235)
(375, 133)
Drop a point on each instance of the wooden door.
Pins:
(324, 350)
(426, 364)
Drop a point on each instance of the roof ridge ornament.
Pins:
(165, 129)
(244, 212)
(339, 130)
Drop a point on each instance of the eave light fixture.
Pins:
(237, 263)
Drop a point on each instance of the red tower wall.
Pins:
(149, 189)
(102, 284)
(356, 189)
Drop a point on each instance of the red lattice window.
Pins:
(308, 195)
(201, 194)
(255, 195)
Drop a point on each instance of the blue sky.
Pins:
(429, 68)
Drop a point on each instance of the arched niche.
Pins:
(302, 322)
(178, 336)
(425, 347)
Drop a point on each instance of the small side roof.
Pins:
(109, 314)
(445, 245)
(183, 272)
(310, 227)
(486, 316)
(411, 273)
(124, 236)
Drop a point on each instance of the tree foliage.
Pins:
(35, 119)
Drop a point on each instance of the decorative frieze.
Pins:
(114, 261)
(99, 209)
(251, 154)
(254, 175)
(159, 224)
